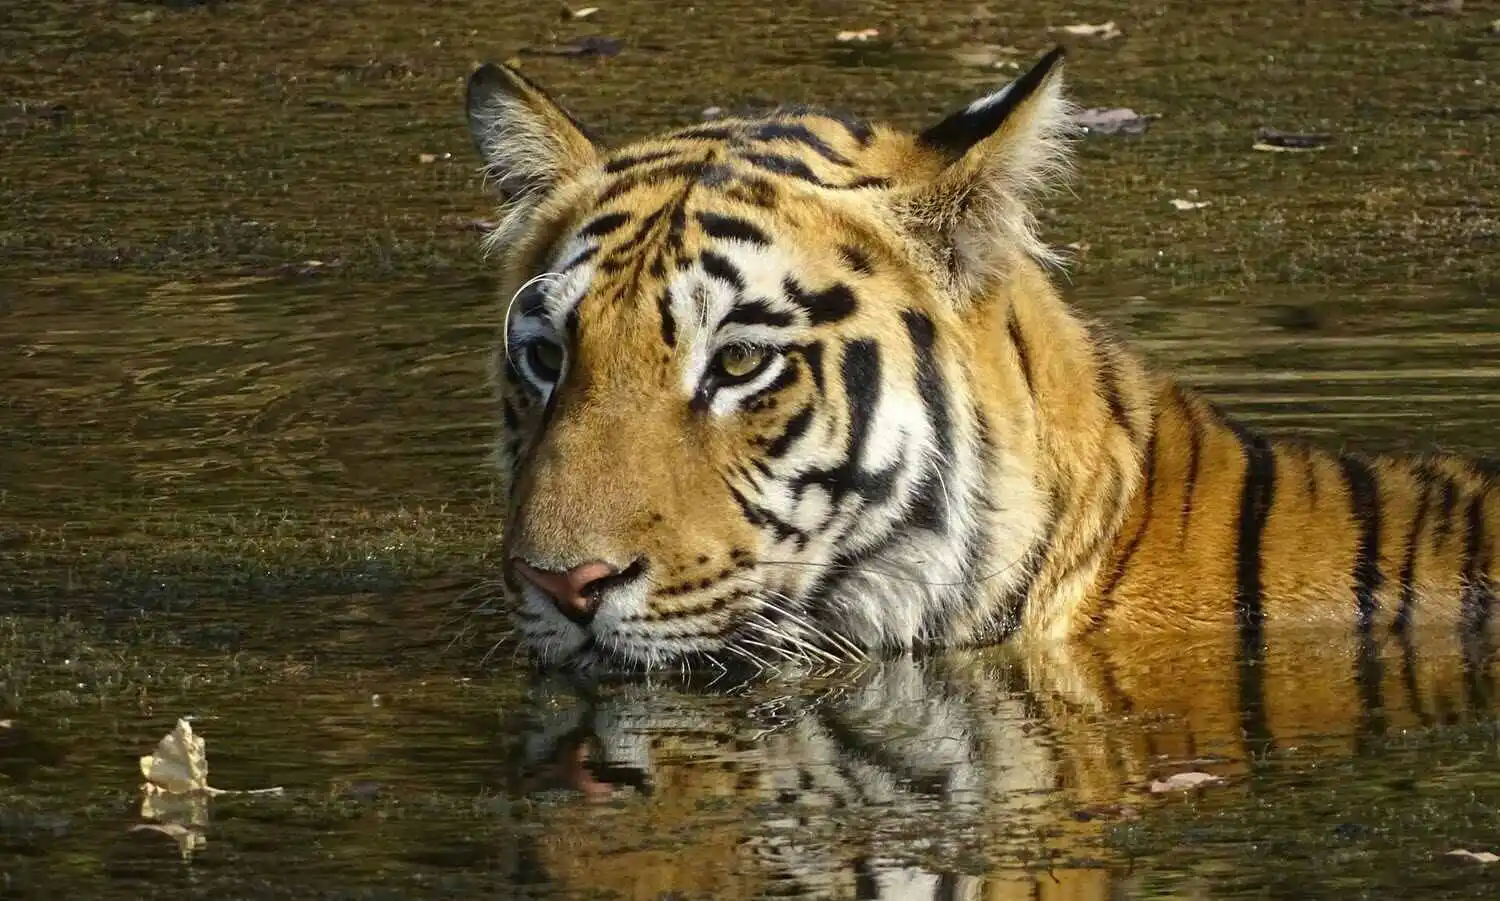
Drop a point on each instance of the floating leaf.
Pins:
(860, 36)
(1103, 32)
(583, 13)
(1112, 121)
(1183, 782)
(1476, 856)
(179, 764)
(1180, 204)
(1273, 141)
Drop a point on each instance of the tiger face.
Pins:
(739, 375)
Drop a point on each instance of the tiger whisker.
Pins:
(807, 649)
(783, 604)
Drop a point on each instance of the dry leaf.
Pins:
(862, 35)
(583, 13)
(179, 764)
(1180, 204)
(1183, 782)
(1103, 32)
(1476, 856)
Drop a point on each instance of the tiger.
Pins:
(798, 388)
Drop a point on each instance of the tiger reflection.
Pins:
(970, 775)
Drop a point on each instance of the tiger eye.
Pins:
(546, 359)
(739, 360)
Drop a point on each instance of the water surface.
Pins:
(242, 469)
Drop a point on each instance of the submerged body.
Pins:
(800, 387)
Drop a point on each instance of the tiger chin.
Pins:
(798, 388)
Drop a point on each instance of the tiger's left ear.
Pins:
(528, 142)
(986, 163)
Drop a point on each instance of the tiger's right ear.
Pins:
(528, 142)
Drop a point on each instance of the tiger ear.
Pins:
(991, 159)
(527, 141)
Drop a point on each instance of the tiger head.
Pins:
(757, 398)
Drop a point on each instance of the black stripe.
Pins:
(755, 191)
(866, 181)
(622, 256)
(1364, 503)
(832, 304)
(1369, 675)
(1478, 598)
(707, 133)
(795, 428)
(1107, 380)
(860, 373)
(756, 312)
(719, 267)
(1195, 460)
(531, 300)
(1023, 351)
(784, 165)
(858, 129)
(635, 178)
(1409, 678)
(1148, 497)
(623, 163)
(715, 175)
(759, 516)
(933, 389)
(784, 378)
(1402, 622)
(800, 134)
(583, 256)
(1446, 505)
(1310, 475)
(677, 224)
(604, 225)
(813, 354)
(1479, 672)
(856, 259)
(732, 228)
(1255, 510)
(668, 323)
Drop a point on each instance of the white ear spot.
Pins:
(984, 103)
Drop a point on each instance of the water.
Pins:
(245, 486)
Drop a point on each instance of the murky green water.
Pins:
(241, 485)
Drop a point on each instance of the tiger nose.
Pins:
(574, 592)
